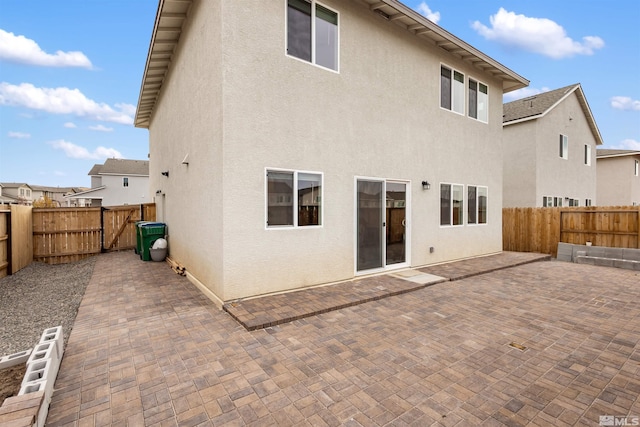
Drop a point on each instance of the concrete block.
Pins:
(631, 254)
(620, 263)
(604, 262)
(40, 374)
(596, 251)
(615, 253)
(565, 252)
(31, 387)
(44, 351)
(54, 334)
(14, 359)
(586, 260)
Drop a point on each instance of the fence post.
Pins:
(141, 212)
(102, 249)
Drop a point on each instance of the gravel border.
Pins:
(38, 297)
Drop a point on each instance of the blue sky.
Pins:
(70, 71)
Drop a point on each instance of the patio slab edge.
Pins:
(256, 323)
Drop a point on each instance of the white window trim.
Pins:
(637, 168)
(474, 224)
(464, 90)
(313, 37)
(295, 225)
(479, 82)
(464, 207)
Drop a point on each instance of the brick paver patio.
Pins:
(148, 348)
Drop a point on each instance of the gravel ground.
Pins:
(38, 297)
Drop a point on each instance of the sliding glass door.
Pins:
(381, 235)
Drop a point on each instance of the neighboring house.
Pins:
(289, 141)
(550, 142)
(19, 193)
(116, 182)
(55, 194)
(618, 177)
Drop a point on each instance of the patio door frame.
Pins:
(383, 226)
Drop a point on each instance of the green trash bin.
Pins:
(138, 249)
(149, 233)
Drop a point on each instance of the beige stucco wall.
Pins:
(617, 184)
(543, 172)
(238, 104)
(188, 121)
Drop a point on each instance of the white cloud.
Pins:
(77, 152)
(101, 128)
(538, 35)
(19, 135)
(59, 173)
(628, 144)
(625, 103)
(70, 125)
(26, 51)
(61, 100)
(525, 92)
(426, 11)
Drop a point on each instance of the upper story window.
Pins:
(478, 101)
(312, 33)
(289, 192)
(637, 170)
(125, 182)
(587, 154)
(564, 147)
(451, 89)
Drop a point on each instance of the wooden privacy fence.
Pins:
(62, 235)
(16, 245)
(540, 229)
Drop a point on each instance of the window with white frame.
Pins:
(312, 33)
(476, 204)
(637, 168)
(547, 201)
(478, 101)
(451, 89)
(564, 147)
(294, 199)
(125, 182)
(587, 154)
(451, 204)
(587, 202)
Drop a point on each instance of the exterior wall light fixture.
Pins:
(426, 185)
(166, 173)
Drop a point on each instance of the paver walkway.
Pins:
(148, 348)
(271, 310)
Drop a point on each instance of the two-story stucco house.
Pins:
(550, 142)
(116, 182)
(618, 177)
(296, 143)
(16, 193)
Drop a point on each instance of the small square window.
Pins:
(291, 192)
